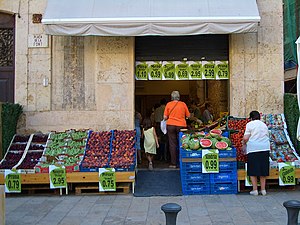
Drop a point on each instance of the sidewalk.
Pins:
(238, 209)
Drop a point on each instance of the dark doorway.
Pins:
(7, 55)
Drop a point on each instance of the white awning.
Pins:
(150, 17)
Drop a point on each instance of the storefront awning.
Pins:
(150, 17)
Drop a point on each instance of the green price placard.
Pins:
(195, 70)
(155, 70)
(57, 177)
(12, 181)
(210, 161)
(222, 69)
(182, 70)
(168, 71)
(286, 174)
(141, 71)
(208, 70)
(107, 179)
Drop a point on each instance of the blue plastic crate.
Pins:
(190, 153)
(196, 189)
(227, 153)
(194, 177)
(225, 188)
(227, 166)
(223, 177)
(190, 167)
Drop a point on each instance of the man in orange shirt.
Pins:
(175, 113)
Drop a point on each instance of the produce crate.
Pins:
(223, 177)
(228, 153)
(194, 177)
(69, 169)
(196, 189)
(184, 153)
(227, 166)
(190, 167)
(224, 188)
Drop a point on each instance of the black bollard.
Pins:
(292, 207)
(171, 210)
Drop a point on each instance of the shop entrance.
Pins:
(148, 93)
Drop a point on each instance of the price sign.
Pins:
(208, 70)
(195, 70)
(155, 70)
(168, 71)
(107, 179)
(12, 181)
(141, 71)
(182, 70)
(222, 69)
(286, 174)
(57, 177)
(210, 161)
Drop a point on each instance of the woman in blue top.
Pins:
(256, 139)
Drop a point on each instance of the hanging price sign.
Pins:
(107, 179)
(182, 70)
(168, 70)
(155, 70)
(57, 177)
(210, 161)
(195, 70)
(12, 181)
(286, 174)
(141, 71)
(208, 70)
(222, 70)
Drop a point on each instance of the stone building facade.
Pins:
(88, 82)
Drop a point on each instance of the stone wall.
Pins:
(91, 82)
(256, 64)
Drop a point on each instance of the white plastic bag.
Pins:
(163, 126)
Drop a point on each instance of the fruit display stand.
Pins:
(282, 149)
(194, 180)
(92, 150)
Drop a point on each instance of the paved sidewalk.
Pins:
(238, 209)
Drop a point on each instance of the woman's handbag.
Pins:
(163, 126)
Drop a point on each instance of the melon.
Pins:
(214, 141)
(205, 143)
(200, 134)
(227, 140)
(194, 143)
(185, 141)
(215, 132)
(221, 145)
(207, 136)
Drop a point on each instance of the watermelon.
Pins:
(205, 143)
(194, 143)
(227, 140)
(221, 145)
(214, 141)
(185, 141)
(215, 132)
(207, 136)
(200, 133)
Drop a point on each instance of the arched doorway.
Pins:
(7, 55)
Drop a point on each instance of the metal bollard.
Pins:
(292, 207)
(171, 210)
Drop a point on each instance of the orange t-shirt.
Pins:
(178, 114)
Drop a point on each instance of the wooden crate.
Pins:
(121, 188)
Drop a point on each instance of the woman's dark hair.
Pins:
(207, 105)
(255, 115)
(147, 123)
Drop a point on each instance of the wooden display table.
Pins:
(75, 177)
(274, 174)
